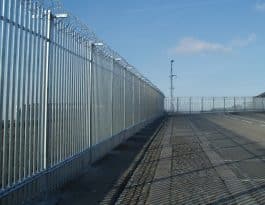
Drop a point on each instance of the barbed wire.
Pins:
(75, 25)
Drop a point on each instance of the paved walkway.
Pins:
(199, 159)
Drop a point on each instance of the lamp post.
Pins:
(171, 86)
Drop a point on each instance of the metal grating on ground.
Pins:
(187, 163)
(137, 189)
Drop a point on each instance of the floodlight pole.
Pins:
(171, 86)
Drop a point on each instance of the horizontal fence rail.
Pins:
(66, 98)
(214, 104)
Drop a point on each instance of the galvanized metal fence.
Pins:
(66, 98)
(214, 104)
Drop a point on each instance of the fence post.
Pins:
(177, 104)
(133, 100)
(262, 103)
(47, 62)
(91, 45)
(213, 104)
(112, 76)
(234, 104)
(124, 98)
(202, 104)
(224, 104)
(190, 105)
(245, 104)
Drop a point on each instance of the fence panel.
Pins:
(62, 93)
(214, 104)
(102, 105)
(118, 98)
(136, 91)
(128, 99)
(21, 90)
(68, 100)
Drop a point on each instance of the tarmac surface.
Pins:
(184, 159)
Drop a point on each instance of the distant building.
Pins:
(262, 95)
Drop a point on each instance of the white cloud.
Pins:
(191, 45)
(260, 6)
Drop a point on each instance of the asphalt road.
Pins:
(188, 159)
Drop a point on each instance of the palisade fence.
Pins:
(66, 98)
(214, 104)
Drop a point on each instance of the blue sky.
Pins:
(218, 45)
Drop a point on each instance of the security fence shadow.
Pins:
(105, 178)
